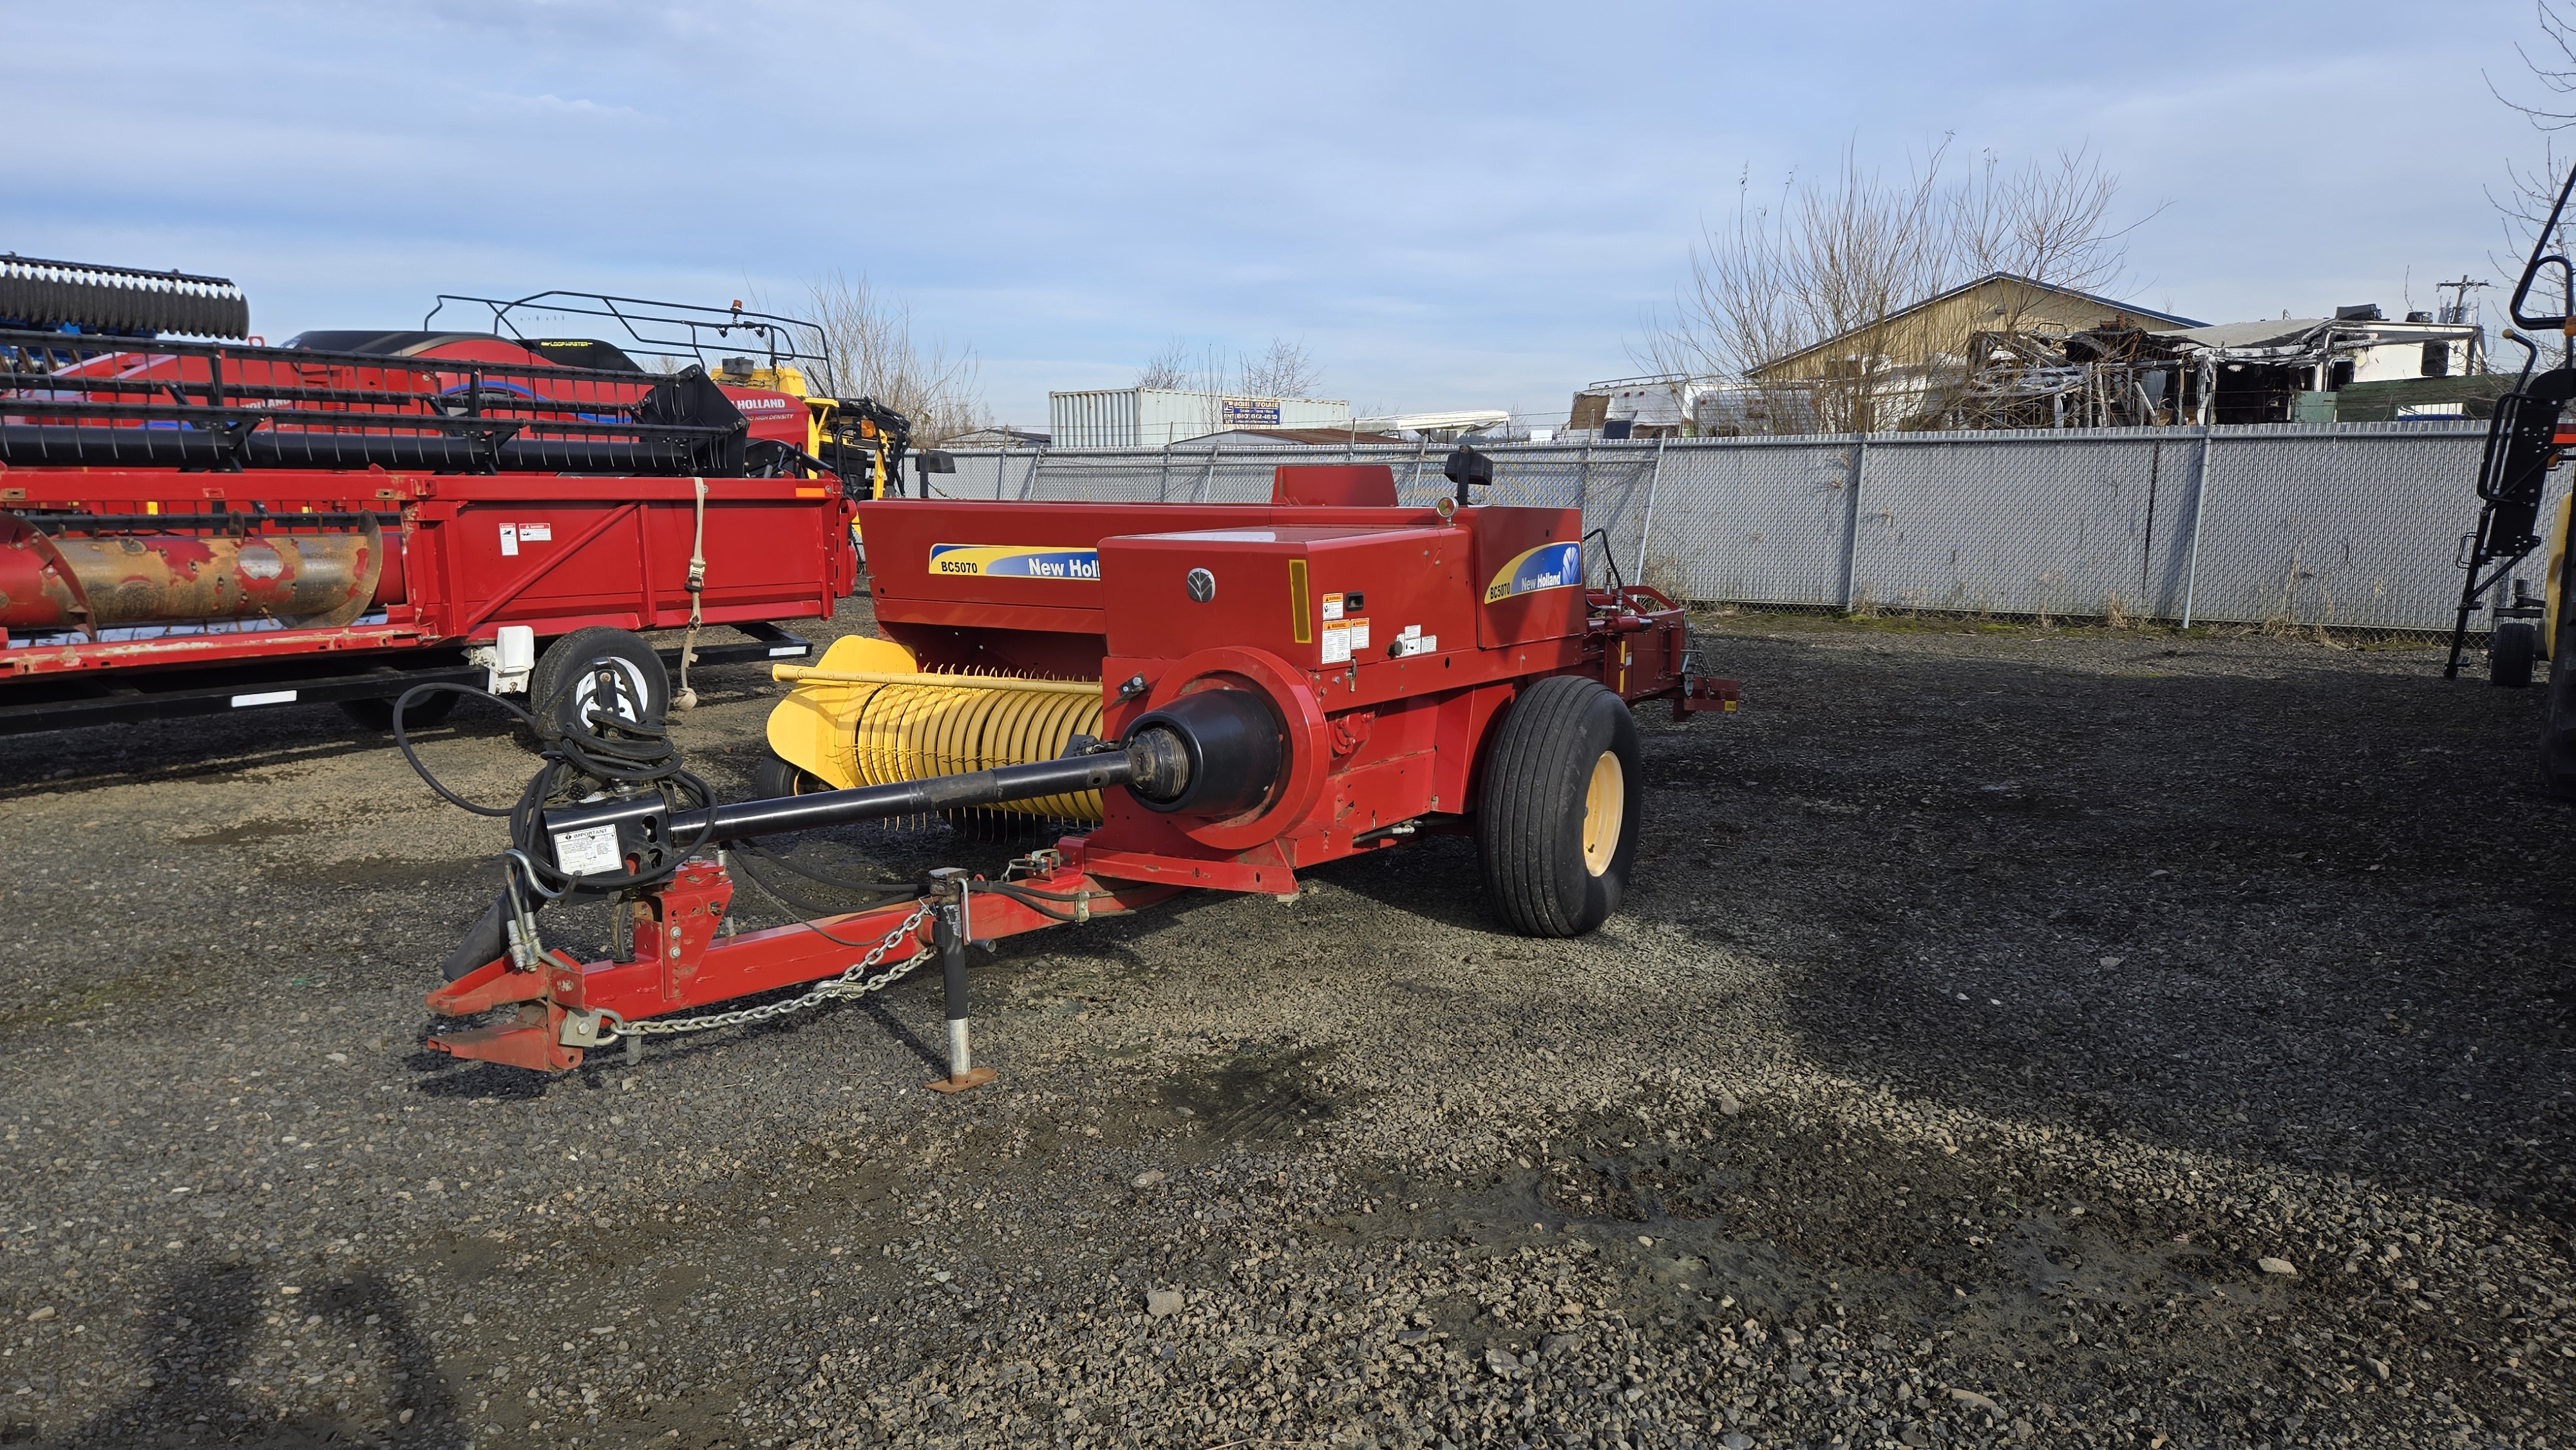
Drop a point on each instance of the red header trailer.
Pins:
(1221, 696)
(200, 528)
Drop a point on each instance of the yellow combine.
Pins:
(859, 437)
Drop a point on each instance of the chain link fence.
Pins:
(2346, 524)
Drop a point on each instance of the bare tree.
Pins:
(2530, 189)
(876, 354)
(1822, 263)
(1285, 370)
(1846, 262)
(2048, 221)
(1168, 369)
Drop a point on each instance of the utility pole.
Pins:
(2458, 313)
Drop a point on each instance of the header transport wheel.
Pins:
(2511, 651)
(567, 679)
(1557, 823)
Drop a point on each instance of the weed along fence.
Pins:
(2352, 524)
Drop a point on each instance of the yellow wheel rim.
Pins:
(1605, 810)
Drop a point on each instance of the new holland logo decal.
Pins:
(1549, 566)
(1015, 561)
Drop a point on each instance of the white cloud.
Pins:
(1464, 205)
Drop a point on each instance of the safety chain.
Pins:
(845, 985)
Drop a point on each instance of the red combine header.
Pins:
(200, 527)
(1219, 696)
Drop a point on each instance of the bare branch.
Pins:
(2522, 210)
(1168, 369)
(1847, 261)
(875, 354)
(1285, 370)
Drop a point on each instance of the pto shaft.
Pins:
(746, 819)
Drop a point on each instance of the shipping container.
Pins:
(1160, 417)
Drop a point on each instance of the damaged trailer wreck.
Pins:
(2124, 371)
(2121, 376)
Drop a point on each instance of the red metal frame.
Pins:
(694, 966)
(612, 551)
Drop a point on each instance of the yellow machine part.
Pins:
(818, 421)
(878, 734)
(2557, 571)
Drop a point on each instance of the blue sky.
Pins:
(1451, 205)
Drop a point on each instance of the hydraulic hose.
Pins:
(605, 752)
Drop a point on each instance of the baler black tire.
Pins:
(2511, 652)
(774, 778)
(1541, 766)
(378, 714)
(555, 695)
(2558, 719)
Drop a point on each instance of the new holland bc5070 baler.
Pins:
(1221, 696)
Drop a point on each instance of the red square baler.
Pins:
(1210, 695)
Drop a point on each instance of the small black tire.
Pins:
(2558, 720)
(774, 778)
(426, 710)
(566, 679)
(2511, 652)
(1560, 811)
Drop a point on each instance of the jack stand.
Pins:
(948, 934)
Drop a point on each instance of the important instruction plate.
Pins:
(591, 851)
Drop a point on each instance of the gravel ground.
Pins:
(2095, 1038)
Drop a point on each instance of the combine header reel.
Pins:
(1216, 696)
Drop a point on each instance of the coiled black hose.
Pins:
(603, 753)
(606, 753)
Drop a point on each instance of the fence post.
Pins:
(1420, 446)
(1654, 480)
(2199, 508)
(1583, 478)
(1851, 519)
(1002, 472)
(1207, 476)
(1029, 485)
(1163, 478)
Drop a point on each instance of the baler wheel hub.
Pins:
(1605, 811)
